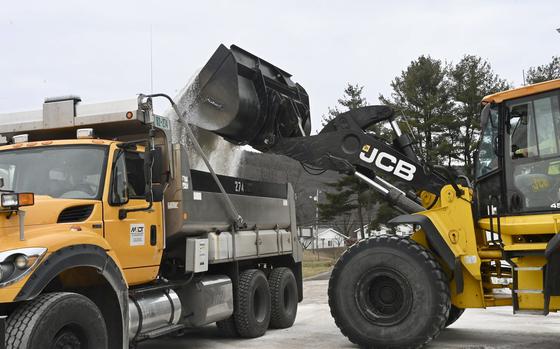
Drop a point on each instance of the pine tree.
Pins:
(544, 72)
(421, 94)
(351, 200)
(470, 80)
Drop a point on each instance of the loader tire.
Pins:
(56, 320)
(454, 315)
(389, 292)
(284, 295)
(252, 309)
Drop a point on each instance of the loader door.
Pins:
(532, 153)
(489, 167)
(137, 239)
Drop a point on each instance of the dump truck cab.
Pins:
(104, 217)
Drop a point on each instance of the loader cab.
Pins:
(518, 162)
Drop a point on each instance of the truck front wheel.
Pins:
(56, 320)
(389, 292)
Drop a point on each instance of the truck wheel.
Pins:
(284, 295)
(389, 292)
(252, 311)
(56, 320)
(454, 315)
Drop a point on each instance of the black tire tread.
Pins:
(274, 280)
(411, 247)
(22, 321)
(241, 317)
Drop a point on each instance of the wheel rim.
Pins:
(384, 297)
(259, 306)
(69, 337)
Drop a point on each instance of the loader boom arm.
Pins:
(345, 145)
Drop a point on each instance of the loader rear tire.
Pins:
(389, 292)
(454, 315)
(284, 294)
(252, 309)
(56, 320)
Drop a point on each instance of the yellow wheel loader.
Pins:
(492, 242)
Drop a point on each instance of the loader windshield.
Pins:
(69, 172)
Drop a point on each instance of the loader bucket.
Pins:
(248, 100)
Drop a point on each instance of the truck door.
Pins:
(137, 239)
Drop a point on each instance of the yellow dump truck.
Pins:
(108, 236)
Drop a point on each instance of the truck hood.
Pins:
(48, 210)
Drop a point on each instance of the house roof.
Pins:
(331, 230)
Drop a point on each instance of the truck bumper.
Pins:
(3, 332)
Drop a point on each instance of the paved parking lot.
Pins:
(315, 328)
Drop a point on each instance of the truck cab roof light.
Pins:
(21, 138)
(84, 133)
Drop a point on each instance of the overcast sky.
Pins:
(101, 50)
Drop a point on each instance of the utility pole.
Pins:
(316, 227)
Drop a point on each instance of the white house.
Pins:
(329, 238)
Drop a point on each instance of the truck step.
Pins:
(162, 331)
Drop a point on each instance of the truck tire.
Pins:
(389, 292)
(252, 311)
(284, 296)
(56, 320)
(454, 315)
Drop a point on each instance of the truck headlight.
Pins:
(16, 264)
(11, 200)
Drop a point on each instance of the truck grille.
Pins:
(75, 214)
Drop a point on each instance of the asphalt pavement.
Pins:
(493, 328)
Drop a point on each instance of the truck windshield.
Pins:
(70, 172)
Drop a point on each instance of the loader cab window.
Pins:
(533, 176)
(487, 152)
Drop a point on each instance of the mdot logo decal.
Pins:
(387, 162)
(137, 236)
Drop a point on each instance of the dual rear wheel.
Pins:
(262, 303)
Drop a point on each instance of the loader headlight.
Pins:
(16, 264)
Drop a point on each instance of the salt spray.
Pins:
(224, 156)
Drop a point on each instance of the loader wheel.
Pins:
(454, 315)
(57, 320)
(252, 309)
(284, 294)
(389, 292)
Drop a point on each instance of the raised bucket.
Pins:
(248, 100)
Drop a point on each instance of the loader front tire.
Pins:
(389, 292)
(56, 320)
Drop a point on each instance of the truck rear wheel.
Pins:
(284, 294)
(56, 320)
(389, 292)
(454, 315)
(252, 311)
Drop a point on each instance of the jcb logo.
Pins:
(388, 163)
